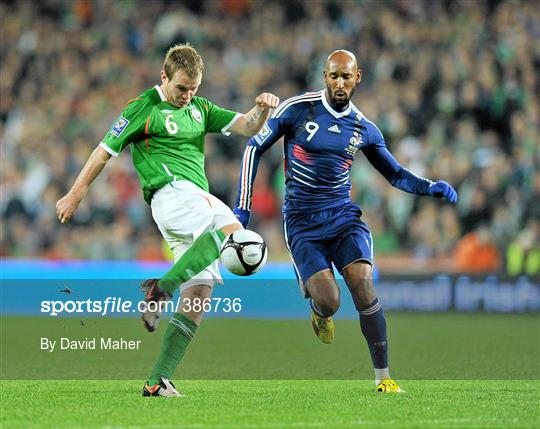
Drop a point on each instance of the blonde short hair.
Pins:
(183, 57)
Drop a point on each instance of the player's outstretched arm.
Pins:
(67, 205)
(250, 123)
(406, 180)
(401, 178)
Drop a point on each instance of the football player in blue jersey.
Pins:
(322, 133)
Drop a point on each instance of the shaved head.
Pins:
(341, 74)
(341, 56)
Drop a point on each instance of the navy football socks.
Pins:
(373, 326)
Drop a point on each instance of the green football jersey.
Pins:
(167, 143)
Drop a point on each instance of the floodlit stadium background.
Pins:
(451, 85)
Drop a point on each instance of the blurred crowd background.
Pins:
(453, 85)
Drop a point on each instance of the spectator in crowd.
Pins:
(523, 254)
(477, 253)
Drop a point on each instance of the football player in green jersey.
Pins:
(165, 128)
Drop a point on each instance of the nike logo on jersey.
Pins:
(334, 128)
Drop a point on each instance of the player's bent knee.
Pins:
(229, 229)
(199, 291)
(363, 302)
(325, 292)
(364, 296)
(328, 306)
(329, 309)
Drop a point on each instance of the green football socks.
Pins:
(200, 255)
(177, 337)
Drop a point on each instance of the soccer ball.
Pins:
(243, 252)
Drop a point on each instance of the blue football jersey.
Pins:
(320, 145)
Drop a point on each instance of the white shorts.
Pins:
(183, 212)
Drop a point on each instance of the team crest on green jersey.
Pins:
(196, 115)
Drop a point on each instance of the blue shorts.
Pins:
(316, 240)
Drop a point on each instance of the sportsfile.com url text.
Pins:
(117, 305)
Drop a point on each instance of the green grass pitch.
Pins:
(271, 404)
(459, 371)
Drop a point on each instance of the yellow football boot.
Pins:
(388, 385)
(324, 328)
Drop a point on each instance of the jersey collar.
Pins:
(328, 107)
(160, 92)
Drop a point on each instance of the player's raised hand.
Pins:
(441, 189)
(66, 207)
(267, 100)
(242, 216)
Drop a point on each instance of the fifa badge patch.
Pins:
(264, 131)
(261, 136)
(196, 115)
(120, 126)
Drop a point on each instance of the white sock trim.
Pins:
(373, 309)
(380, 374)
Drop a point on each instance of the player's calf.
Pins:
(192, 301)
(358, 277)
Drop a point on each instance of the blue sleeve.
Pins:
(401, 178)
(256, 146)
